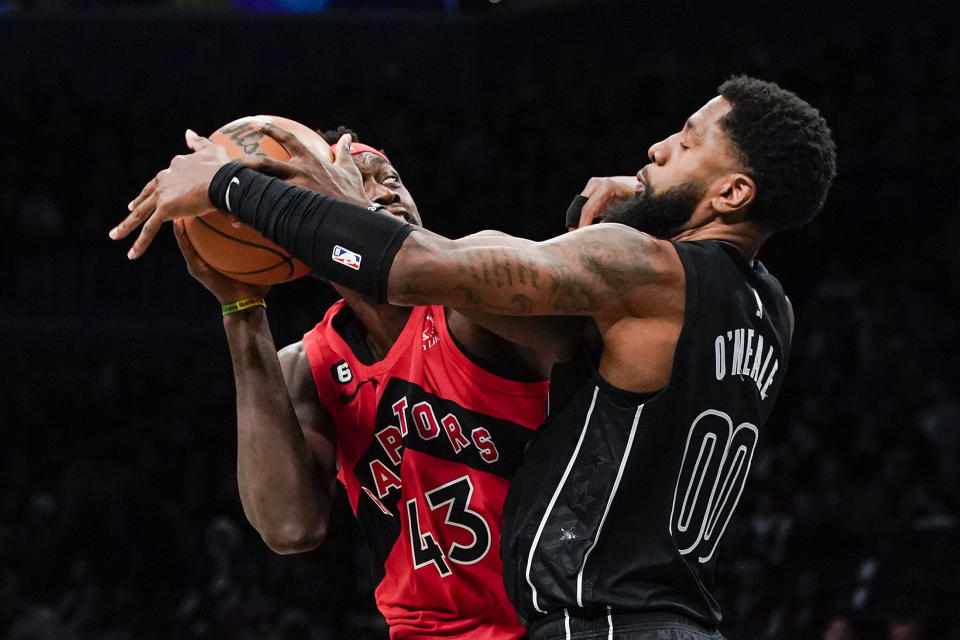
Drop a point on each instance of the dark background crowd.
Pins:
(119, 513)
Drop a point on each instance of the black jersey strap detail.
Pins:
(573, 211)
(623, 397)
(353, 332)
(342, 242)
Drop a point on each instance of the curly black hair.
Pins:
(332, 136)
(785, 145)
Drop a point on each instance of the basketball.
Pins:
(243, 253)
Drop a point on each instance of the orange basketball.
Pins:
(243, 253)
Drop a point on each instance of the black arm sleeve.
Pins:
(342, 242)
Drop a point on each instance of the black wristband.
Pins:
(220, 186)
(343, 242)
(573, 211)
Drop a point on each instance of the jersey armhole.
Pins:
(322, 359)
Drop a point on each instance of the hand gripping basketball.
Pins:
(271, 144)
(231, 247)
(340, 178)
(224, 289)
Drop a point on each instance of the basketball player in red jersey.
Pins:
(423, 436)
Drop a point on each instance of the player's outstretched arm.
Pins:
(581, 273)
(588, 272)
(285, 472)
(594, 271)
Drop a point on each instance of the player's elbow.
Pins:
(294, 537)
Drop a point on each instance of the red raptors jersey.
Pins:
(427, 443)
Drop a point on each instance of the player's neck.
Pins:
(383, 322)
(744, 236)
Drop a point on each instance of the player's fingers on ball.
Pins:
(180, 233)
(342, 151)
(287, 140)
(195, 141)
(234, 221)
(191, 138)
(195, 263)
(268, 165)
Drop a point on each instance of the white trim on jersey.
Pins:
(566, 621)
(553, 500)
(610, 619)
(606, 511)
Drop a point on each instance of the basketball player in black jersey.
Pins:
(612, 524)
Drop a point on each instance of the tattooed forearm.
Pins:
(520, 305)
(571, 297)
(578, 276)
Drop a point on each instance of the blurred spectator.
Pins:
(839, 628)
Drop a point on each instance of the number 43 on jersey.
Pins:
(454, 497)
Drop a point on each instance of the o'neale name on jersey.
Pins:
(741, 352)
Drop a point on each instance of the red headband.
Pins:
(359, 147)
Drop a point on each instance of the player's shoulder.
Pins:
(320, 341)
(646, 271)
(318, 348)
(620, 245)
(295, 362)
(293, 352)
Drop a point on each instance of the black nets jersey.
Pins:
(623, 498)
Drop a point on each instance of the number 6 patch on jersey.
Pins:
(341, 372)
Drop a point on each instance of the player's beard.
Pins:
(662, 215)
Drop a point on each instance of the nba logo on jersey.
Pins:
(346, 257)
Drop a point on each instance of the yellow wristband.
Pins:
(240, 305)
